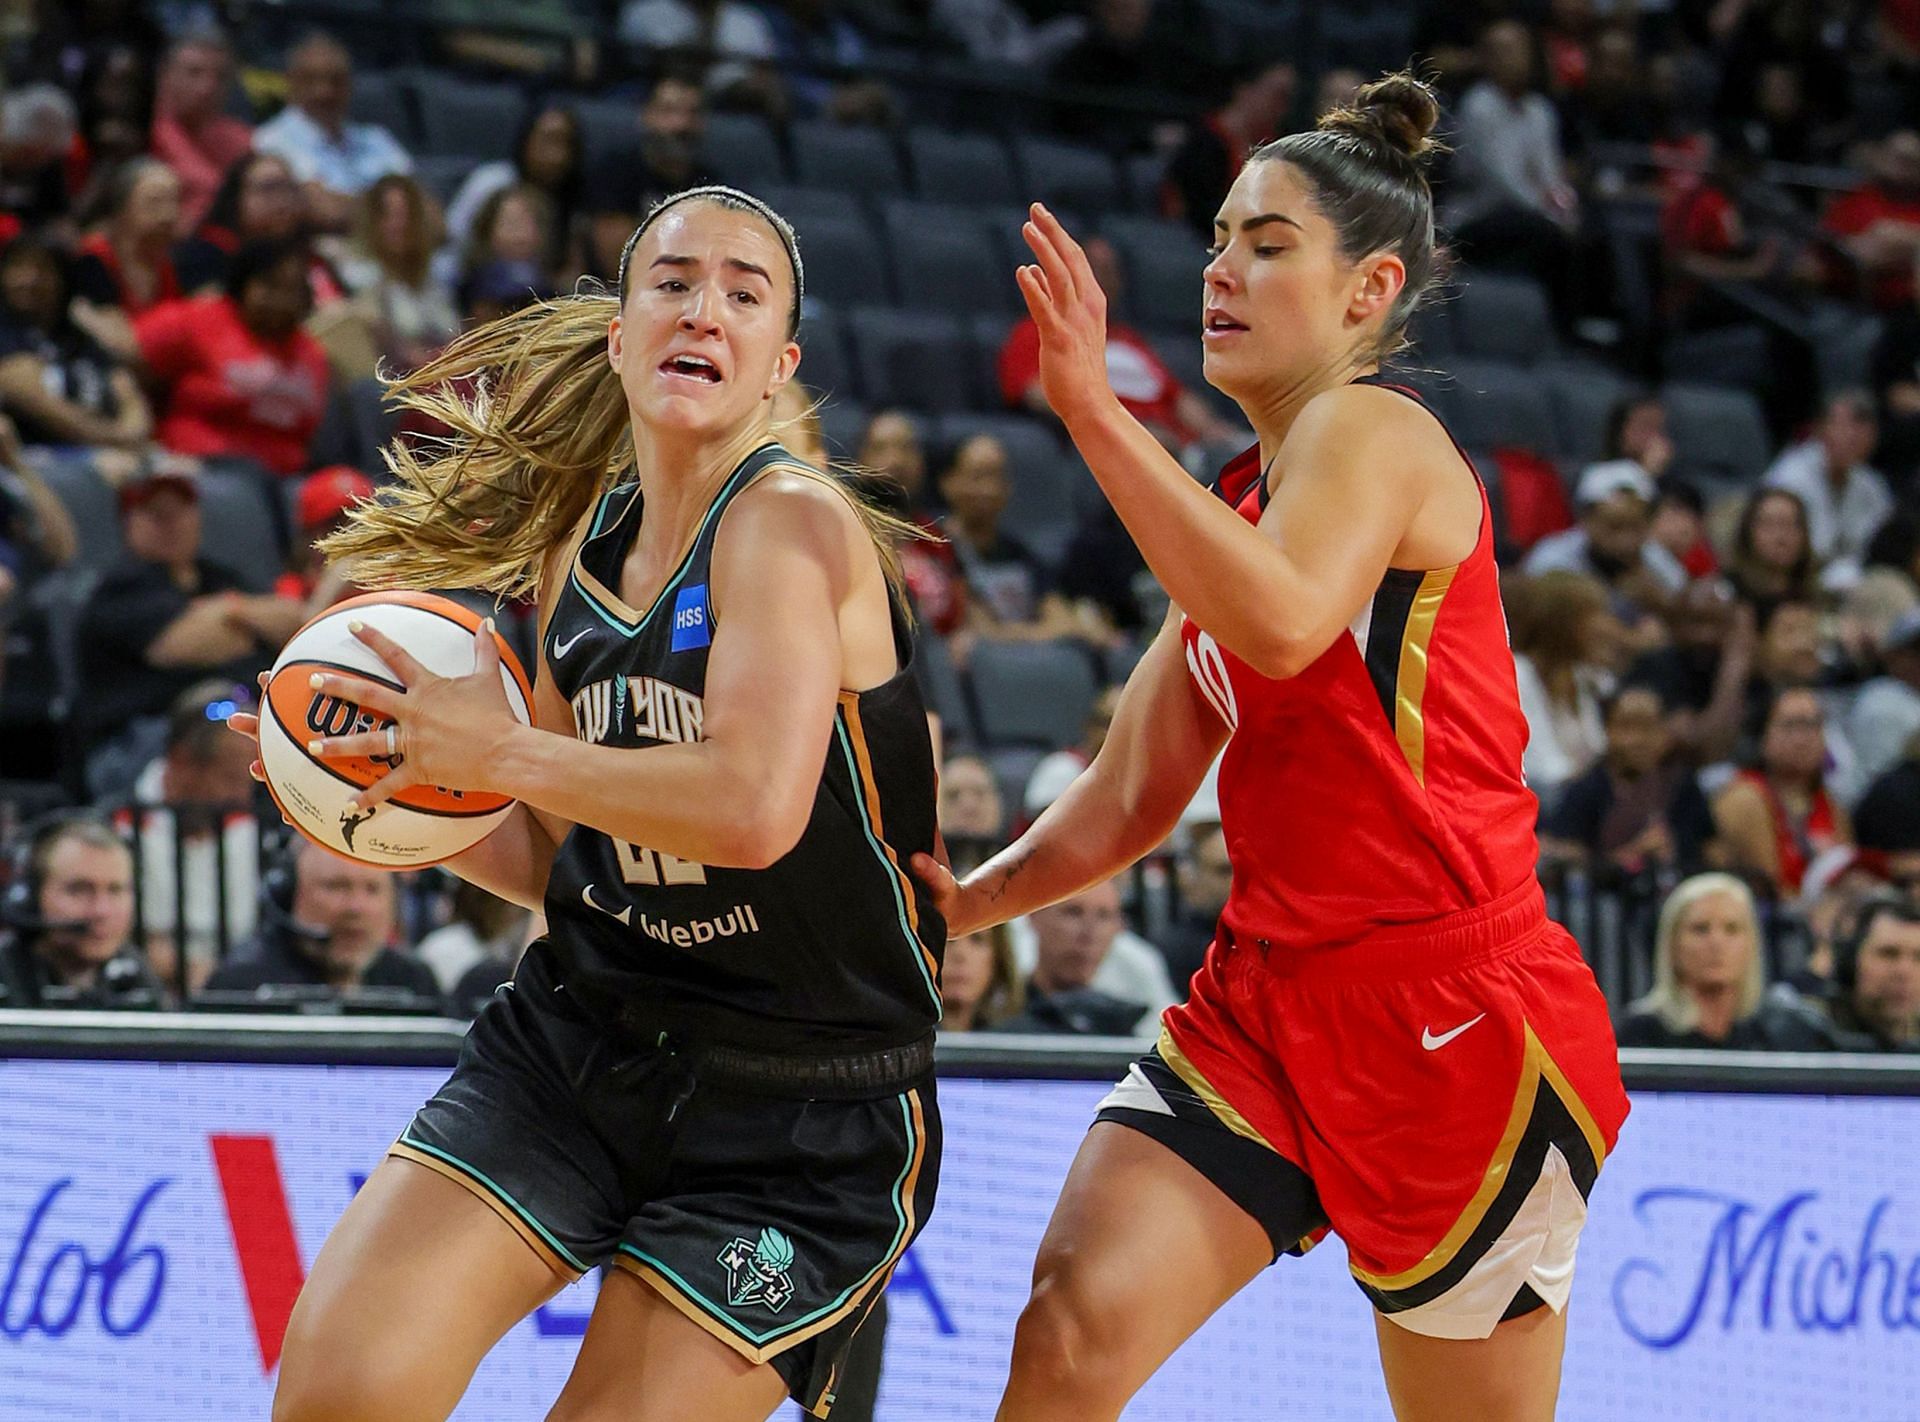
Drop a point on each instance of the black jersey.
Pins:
(834, 945)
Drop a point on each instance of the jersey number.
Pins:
(648, 866)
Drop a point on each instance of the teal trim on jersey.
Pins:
(533, 1224)
(634, 629)
(893, 1251)
(873, 842)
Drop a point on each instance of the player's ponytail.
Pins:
(1367, 167)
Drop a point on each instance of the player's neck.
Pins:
(1273, 413)
(681, 474)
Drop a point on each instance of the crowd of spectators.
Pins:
(212, 242)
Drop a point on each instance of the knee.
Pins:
(344, 1385)
(1072, 1337)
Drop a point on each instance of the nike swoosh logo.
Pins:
(1434, 1044)
(560, 649)
(625, 916)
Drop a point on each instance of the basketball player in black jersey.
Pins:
(715, 1072)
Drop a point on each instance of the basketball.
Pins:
(419, 826)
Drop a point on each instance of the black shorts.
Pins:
(773, 1223)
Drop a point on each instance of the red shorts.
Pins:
(1441, 1096)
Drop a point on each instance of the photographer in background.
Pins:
(69, 912)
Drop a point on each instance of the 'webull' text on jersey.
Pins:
(835, 945)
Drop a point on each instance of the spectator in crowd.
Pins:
(1134, 44)
(1776, 817)
(332, 927)
(1565, 644)
(1076, 985)
(1834, 889)
(1773, 560)
(1010, 595)
(499, 289)
(392, 271)
(192, 132)
(1610, 108)
(58, 382)
(668, 154)
(1887, 822)
(1052, 776)
(1703, 673)
(1845, 499)
(160, 621)
(1793, 655)
(1878, 224)
(258, 201)
(1680, 526)
(1337, 89)
(481, 929)
(894, 466)
(1260, 98)
(1107, 580)
(549, 154)
(980, 984)
(1896, 385)
(515, 225)
(1877, 969)
(36, 529)
(970, 807)
(1638, 810)
(71, 915)
(125, 265)
(1886, 715)
(1001, 34)
(1708, 983)
(1204, 878)
(239, 378)
(115, 91)
(820, 52)
(326, 496)
(1150, 392)
(199, 841)
(728, 41)
(334, 159)
(1613, 540)
(1637, 430)
(38, 126)
(1512, 205)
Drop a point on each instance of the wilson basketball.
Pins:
(419, 826)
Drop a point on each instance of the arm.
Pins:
(1746, 829)
(205, 635)
(23, 388)
(133, 425)
(1127, 802)
(53, 529)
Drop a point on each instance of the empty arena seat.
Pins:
(1718, 435)
(608, 127)
(1043, 471)
(461, 117)
(843, 424)
(968, 168)
(802, 205)
(1501, 318)
(920, 359)
(1031, 693)
(92, 505)
(850, 159)
(441, 174)
(845, 263)
(1067, 176)
(1583, 398)
(945, 694)
(990, 334)
(824, 366)
(239, 527)
(740, 149)
(1163, 264)
(947, 259)
(382, 97)
(1491, 406)
(1145, 174)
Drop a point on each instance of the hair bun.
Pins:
(1398, 112)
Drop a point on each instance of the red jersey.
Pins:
(1381, 786)
(1797, 844)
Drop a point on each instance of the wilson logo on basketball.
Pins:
(331, 716)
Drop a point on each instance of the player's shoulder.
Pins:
(791, 504)
(1357, 426)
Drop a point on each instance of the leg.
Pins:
(1107, 1310)
(645, 1361)
(417, 1281)
(1511, 1376)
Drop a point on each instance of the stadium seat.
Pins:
(1502, 318)
(853, 160)
(442, 173)
(845, 262)
(824, 367)
(920, 359)
(947, 259)
(1031, 693)
(1045, 475)
(1737, 357)
(741, 150)
(1718, 435)
(608, 127)
(238, 525)
(373, 424)
(1583, 398)
(942, 689)
(1846, 356)
(803, 206)
(461, 117)
(381, 97)
(91, 503)
(1067, 176)
(990, 334)
(843, 424)
(967, 168)
(1493, 406)
(1145, 173)
(1163, 262)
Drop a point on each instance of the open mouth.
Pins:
(1219, 323)
(692, 367)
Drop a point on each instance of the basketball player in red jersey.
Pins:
(1388, 1038)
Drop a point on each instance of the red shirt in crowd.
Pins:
(1149, 391)
(229, 393)
(107, 261)
(1859, 210)
(200, 158)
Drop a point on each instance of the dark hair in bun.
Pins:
(1366, 165)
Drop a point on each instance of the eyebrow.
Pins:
(671, 260)
(1263, 220)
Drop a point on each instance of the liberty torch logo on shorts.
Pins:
(757, 1273)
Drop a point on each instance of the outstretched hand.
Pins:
(1070, 310)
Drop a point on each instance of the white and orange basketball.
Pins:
(417, 827)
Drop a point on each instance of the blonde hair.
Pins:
(1669, 1000)
(540, 431)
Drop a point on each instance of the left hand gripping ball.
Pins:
(419, 826)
